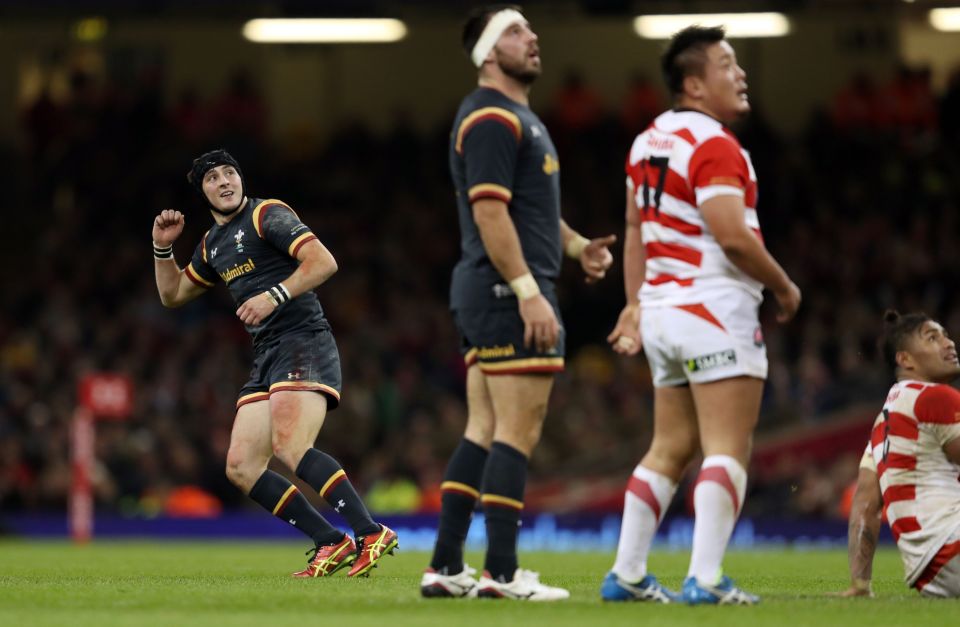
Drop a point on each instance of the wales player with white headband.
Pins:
(492, 32)
(504, 303)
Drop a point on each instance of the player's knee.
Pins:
(672, 453)
(288, 450)
(480, 430)
(238, 470)
(523, 436)
(281, 449)
(533, 432)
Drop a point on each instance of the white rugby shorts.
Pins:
(941, 577)
(698, 343)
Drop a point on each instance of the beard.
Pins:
(518, 70)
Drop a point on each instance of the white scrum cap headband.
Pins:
(491, 33)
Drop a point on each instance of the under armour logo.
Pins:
(340, 503)
(292, 521)
(535, 131)
(213, 253)
(293, 375)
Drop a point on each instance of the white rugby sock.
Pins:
(717, 500)
(645, 501)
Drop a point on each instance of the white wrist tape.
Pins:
(491, 33)
(278, 294)
(162, 252)
(525, 286)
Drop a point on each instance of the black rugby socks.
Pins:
(281, 498)
(504, 481)
(459, 492)
(327, 477)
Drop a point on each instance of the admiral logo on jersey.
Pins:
(238, 270)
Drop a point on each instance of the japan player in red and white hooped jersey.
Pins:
(910, 469)
(695, 267)
(683, 160)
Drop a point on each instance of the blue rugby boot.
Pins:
(724, 592)
(647, 589)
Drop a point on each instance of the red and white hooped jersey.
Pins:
(921, 491)
(683, 159)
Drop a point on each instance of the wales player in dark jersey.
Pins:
(271, 262)
(506, 173)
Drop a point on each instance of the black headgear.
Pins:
(209, 160)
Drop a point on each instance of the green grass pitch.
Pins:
(233, 583)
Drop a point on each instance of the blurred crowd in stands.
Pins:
(861, 208)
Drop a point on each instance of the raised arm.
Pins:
(174, 287)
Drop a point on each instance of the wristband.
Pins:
(278, 294)
(525, 286)
(162, 252)
(576, 245)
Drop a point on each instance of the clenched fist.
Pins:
(167, 227)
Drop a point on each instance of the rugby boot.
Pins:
(329, 558)
(436, 584)
(647, 589)
(724, 592)
(525, 586)
(371, 548)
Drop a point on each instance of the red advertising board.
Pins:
(106, 395)
(100, 395)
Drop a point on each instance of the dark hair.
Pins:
(686, 54)
(206, 162)
(478, 20)
(896, 329)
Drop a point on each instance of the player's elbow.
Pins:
(736, 245)
(170, 302)
(327, 267)
(171, 299)
(321, 268)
